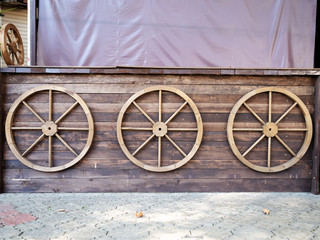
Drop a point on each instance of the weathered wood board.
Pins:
(1, 131)
(105, 168)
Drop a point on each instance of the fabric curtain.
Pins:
(177, 33)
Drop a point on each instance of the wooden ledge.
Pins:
(162, 71)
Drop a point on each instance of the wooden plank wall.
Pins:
(105, 168)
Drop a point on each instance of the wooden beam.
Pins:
(316, 144)
(32, 12)
(2, 92)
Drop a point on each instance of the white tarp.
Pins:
(177, 33)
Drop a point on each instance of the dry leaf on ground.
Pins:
(139, 214)
(62, 210)
(266, 211)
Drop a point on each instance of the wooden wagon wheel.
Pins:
(11, 45)
(159, 129)
(50, 128)
(270, 129)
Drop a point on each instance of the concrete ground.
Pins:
(165, 216)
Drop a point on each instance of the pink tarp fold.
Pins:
(176, 33)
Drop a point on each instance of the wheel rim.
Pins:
(159, 129)
(270, 130)
(11, 45)
(50, 128)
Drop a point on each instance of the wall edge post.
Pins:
(316, 144)
(2, 92)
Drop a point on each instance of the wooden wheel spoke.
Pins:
(160, 105)
(285, 145)
(270, 107)
(15, 55)
(12, 57)
(175, 145)
(9, 38)
(12, 33)
(183, 129)
(50, 151)
(269, 152)
(50, 104)
(143, 112)
(66, 112)
(143, 144)
(66, 144)
(33, 111)
(26, 128)
(72, 129)
(159, 151)
(248, 129)
(286, 113)
(253, 113)
(33, 145)
(292, 129)
(176, 112)
(253, 145)
(136, 129)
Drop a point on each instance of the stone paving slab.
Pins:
(166, 216)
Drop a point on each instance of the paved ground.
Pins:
(165, 216)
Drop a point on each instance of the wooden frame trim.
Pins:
(316, 144)
(161, 70)
(32, 12)
(2, 92)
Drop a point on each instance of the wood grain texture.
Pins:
(2, 96)
(316, 148)
(105, 168)
(157, 185)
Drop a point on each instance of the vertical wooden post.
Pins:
(1, 130)
(32, 14)
(316, 144)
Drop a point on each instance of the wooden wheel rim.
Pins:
(308, 130)
(13, 47)
(9, 123)
(199, 129)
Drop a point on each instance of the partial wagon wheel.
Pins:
(50, 128)
(159, 129)
(11, 45)
(270, 129)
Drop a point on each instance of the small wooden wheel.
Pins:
(160, 128)
(11, 45)
(271, 128)
(48, 128)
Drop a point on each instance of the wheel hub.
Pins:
(270, 129)
(14, 47)
(160, 129)
(49, 128)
